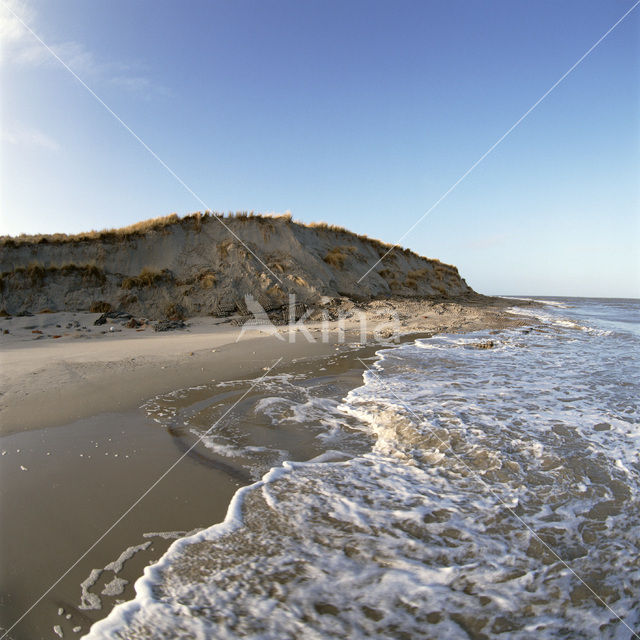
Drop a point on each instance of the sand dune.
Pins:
(197, 266)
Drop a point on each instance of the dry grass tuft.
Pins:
(106, 235)
(412, 283)
(207, 279)
(36, 273)
(387, 274)
(146, 278)
(335, 258)
(175, 312)
(414, 277)
(224, 248)
(385, 257)
(299, 281)
(127, 299)
(441, 290)
(276, 292)
(91, 273)
(338, 255)
(325, 226)
(441, 269)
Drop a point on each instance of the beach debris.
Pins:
(23, 468)
(36, 331)
(132, 324)
(4, 453)
(58, 631)
(110, 315)
(169, 325)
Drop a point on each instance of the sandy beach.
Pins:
(80, 443)
(52, 374)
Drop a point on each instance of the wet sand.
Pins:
(63, 487)
(78, 480)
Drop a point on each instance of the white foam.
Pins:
(90, 600)
(115, 587)
(486, 463)
(171, 535)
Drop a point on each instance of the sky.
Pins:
(359, 113)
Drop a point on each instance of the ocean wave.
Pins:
(499, 495)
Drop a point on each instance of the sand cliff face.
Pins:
(195, 266)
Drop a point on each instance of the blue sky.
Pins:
(357, 113)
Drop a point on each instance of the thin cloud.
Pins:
(30, 137)
(19, 48)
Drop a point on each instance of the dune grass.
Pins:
(175, 311)
(337, 256)
(414, 277)
(194, 221)
(146, 278)
(207, 279)
(35, 273)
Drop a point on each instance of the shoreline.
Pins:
(98, 414)
(79, 477)
(49, 382)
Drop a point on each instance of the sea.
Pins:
(480, 485)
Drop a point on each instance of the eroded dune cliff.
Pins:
(206, 264)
